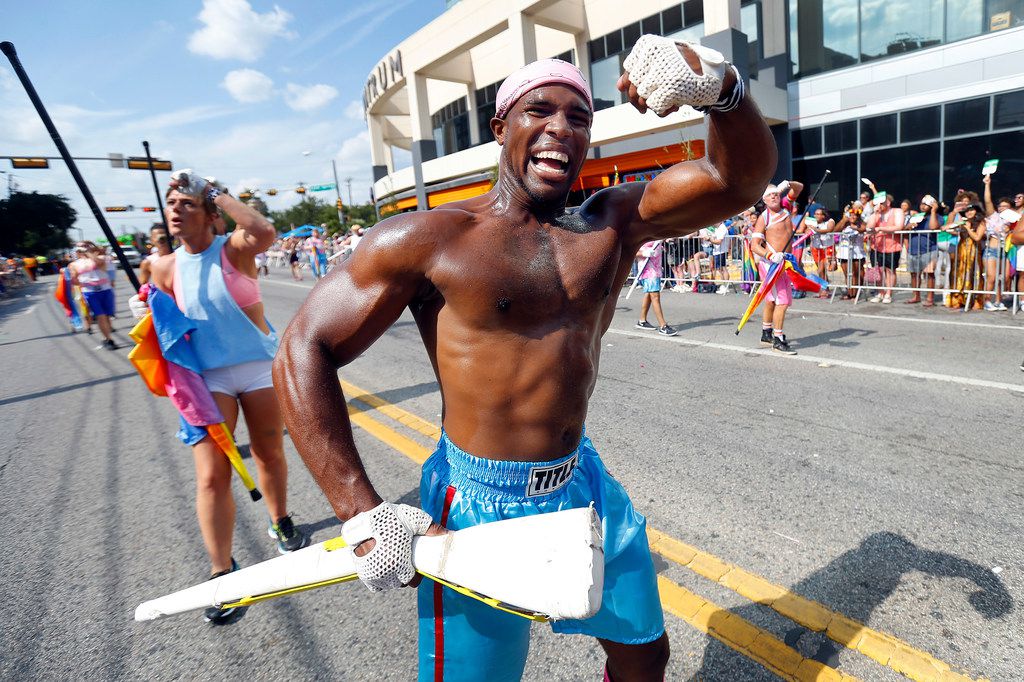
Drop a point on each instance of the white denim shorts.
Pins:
(245, 377)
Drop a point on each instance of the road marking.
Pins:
(732, 630)
(890, 318)
(711, 619)
(818, 360)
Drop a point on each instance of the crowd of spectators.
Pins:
(956, 255)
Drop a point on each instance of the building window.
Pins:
(884, 33)
(908, 171)
(807, 142)
(964, 157)
(919, 124)
(826, 32)
(831, 34)
(1009, 110)
(964, 19)
(970, 116)
(451, 127)
(841, 185)
(604, 75)
(878, 130)
(905, 172)
(840, 137)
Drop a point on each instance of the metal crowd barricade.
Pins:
(682, 260)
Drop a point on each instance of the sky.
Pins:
(239, 90)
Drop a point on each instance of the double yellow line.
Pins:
(729, 628)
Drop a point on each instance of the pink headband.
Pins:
(536, 74)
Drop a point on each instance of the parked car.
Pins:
(133, 256)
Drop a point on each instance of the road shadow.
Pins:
(65, 388)
(37, 338)
(855, 584)
(832, 338)
(397, 395)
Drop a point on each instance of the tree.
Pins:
(35, 224)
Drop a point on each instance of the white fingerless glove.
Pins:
(389, 564)
(777, 257)
(190, 182)
(138, 307)
(665, 80)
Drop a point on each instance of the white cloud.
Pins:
(354, 110)
(309, 97)
(233, 30)
(248, 85)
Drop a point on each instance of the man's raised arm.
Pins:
(741, 154)
(340, 319)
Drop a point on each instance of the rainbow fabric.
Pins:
(169, 367)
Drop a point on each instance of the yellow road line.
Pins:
(732, 630)
(886, 649)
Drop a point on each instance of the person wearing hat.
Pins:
(923, 249)
(886, 222)
(769, 241)
(512, 294)
(966, 219)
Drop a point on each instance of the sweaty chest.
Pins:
(533, 275)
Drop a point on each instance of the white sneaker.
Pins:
(1001, 306)
(875, 299)
(989, 306)
(722, 289)
(886, 300)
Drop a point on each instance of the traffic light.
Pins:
(340, 205)
(245, 195)
(300, 190)
(271, 192)
(115, 209)
(140, 163)
(149, 209)
(32, 162)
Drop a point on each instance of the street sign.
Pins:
(116, 160)
(321, 188)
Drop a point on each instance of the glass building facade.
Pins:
(928, 150)
(831, 34)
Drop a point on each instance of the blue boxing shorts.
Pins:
(462, 639)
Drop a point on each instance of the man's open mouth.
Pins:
(550, 165)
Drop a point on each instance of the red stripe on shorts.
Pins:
(438, 607)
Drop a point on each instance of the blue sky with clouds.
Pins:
(237, 89)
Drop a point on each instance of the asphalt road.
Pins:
(878, 473)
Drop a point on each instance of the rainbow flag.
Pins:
(801, 279)
(167, 364)
(65, 295)
(749, 268)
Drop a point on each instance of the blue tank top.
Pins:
(223, 335)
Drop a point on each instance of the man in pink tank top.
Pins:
(89, 273)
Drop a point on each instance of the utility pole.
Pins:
(337, 191)
(348, 183)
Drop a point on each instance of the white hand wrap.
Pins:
(189, 182)
(138, 307)
(665, 80)
(389, 564)
(776, 257)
